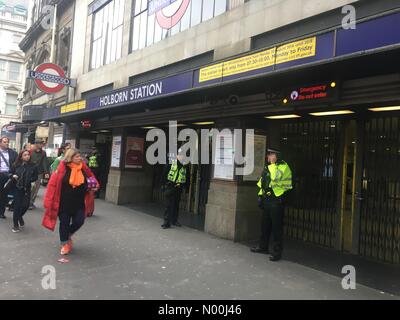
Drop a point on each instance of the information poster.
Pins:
(85, 146)
(260, 145)
(134, 157)
(116, 151)
(224, 157)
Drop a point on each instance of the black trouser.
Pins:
(272, 223)
(21, 204)
(67, 228)
(171, 213)
(3, 195)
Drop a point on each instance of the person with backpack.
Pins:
(24, 172)
(39, 158)
(7, 158)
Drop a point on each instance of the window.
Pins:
(3, 70)
(107, 34)
(155, 20)
(11, 105)
(17, 38)
(14, 71)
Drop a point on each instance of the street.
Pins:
(124, 254)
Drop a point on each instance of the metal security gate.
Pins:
(379, 236)
(312, 150)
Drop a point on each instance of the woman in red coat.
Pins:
(65, 198)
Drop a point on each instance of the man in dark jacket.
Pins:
(39, 158)
(7, 158)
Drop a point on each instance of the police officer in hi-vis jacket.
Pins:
(274, 183)
(173, 184)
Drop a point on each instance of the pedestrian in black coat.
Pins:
(24, 172)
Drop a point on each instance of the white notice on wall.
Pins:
(116, 151)
(260, 145)
(224, 157)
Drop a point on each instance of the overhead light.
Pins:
(285, 101)
(150, 127)
(285, 116)
(379, 109)
(94, 131)
(331, 113)
(205, 123)
(333, 84)
(105, 131)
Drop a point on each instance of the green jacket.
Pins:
(40, 160)
(279, 179)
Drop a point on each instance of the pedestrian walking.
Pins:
(62, 150)
(94, 165)
(24, 172)
(173, 184)
(7, 158)
(275, 182)
(65, 198)
(39, 158)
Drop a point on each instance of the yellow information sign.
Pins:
(289, 52)
(255, 61)
(76, 106)
(296, 50)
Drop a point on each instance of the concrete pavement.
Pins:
(121, 253)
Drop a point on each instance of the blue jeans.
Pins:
(67, 228)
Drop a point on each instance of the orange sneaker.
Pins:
(66, 249)
(70, 243)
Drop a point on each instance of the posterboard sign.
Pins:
(224, 157)
(85, 146)
(134, 157)
(116, 151)
(260, 145)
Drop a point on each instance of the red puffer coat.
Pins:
(53, 194)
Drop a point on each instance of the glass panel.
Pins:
(220, 7)
(143, 25)
(185, 22)
(136, 31)
(2, 70)
(14, 71)
(157, 33)
(11, 104)
(138, 4)
(150, 29)
(208, 10)
(196, 12)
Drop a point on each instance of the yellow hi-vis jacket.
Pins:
(281, 179)
(175, 175)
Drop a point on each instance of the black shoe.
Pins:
(177, 224)
(2, 216)
(15, 230)
(259, 250)
(21, 223)
(165, 226)
(274, 258)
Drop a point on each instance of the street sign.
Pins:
(50, 78)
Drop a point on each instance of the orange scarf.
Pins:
(76, 179)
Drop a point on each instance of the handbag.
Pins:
(9, 185)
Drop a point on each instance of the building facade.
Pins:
(297, 72)
(38, 48)
(13, 25)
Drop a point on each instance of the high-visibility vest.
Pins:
(175, 175)
(281, 179)
(93, 162)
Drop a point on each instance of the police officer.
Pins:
(175, 181)
(274, 183)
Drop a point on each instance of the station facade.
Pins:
(325, 93)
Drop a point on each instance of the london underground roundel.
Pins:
(51, 69)
(170, 15)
